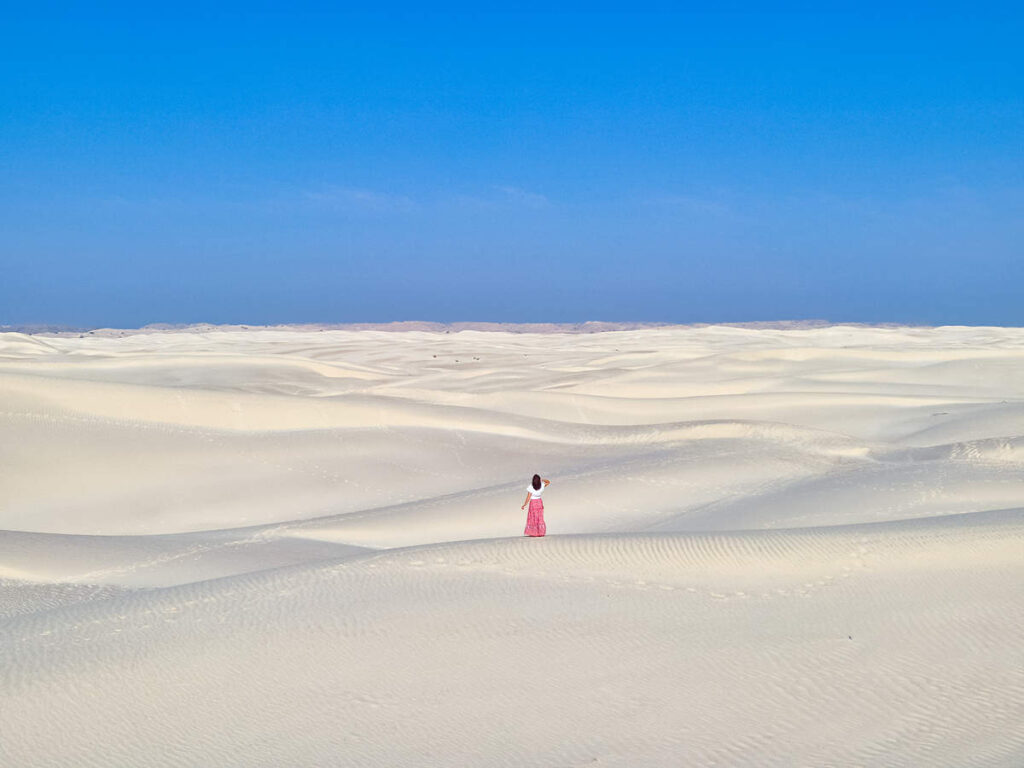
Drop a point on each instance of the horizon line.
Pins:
(581, 327)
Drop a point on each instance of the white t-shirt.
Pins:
(535, 494)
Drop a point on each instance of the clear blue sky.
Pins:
(290, 162)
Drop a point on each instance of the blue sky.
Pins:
(267, 163)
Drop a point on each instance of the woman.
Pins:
(535, 518)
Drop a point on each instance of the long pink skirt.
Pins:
(535, 519)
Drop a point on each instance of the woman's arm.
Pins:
(546, 482)
(527, 500)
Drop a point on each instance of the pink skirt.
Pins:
(535, 519)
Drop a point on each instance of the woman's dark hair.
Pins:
(536, 482)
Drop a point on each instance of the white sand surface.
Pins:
(767, 547)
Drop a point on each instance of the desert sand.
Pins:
(767, 547)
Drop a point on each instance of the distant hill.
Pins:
(590, 326)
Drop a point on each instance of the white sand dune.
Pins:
(767, 547)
